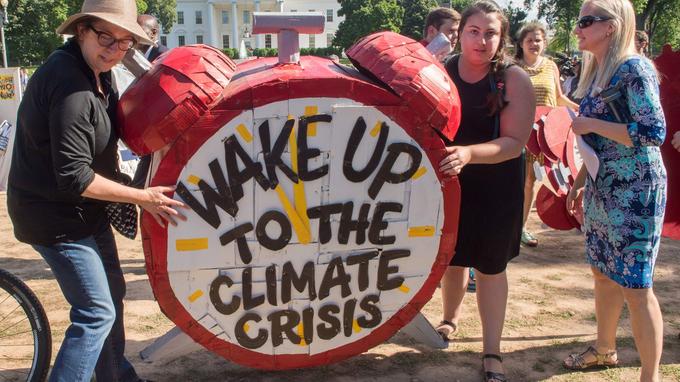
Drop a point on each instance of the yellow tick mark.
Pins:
(311, 128)
(376, 129)
(300, 229)
(196, 295)
(245, 134)
(301, 333)
(421, 171)
(404, 288)
(193, 179)
(246, 327)
(423, 231)
(356, 327)
(197, 244)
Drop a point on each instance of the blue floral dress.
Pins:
(624, 206)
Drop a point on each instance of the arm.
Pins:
(676, 140)
(562, 98)
(516, 121)
(576, 190)
(649, 125)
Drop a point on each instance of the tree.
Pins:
(516, 18)
(659, 19)
(460, 5)
(31, 30)
(363, 17)
(415, 13)
(164, 10)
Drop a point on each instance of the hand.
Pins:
(161, 207)
(575, 201)
(456, 158)
(676, 140)
(581, 125)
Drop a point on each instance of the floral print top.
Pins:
(624, 206)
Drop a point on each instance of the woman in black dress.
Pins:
(497, 113)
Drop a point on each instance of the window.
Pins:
(225, 41)
(246, 17)
(199, 39)
(268, 41)
(293, 10)
(180, 17)
(312, 10)
(225, 17)
(329, 39)
(199, 17)
(329, 15)
(312, 41)
(164, 40)
(181, 41)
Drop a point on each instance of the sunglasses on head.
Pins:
(586, 21)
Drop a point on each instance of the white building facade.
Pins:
(224, 23)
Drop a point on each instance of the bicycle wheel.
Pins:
(25, 337)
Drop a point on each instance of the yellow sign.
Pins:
(6, 87)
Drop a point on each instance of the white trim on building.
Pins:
(223, 21)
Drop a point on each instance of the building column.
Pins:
(280, 2)
(234, 25)
(259, 38)
(212, 31)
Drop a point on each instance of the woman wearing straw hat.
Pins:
(60, 181)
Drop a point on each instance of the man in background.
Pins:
(444, 21)
(150, 25)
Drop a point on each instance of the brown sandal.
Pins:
(578, 361)
(446, 329)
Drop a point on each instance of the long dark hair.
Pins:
(499, 62)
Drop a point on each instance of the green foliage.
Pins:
(142, 6)
(460, 5)
(30, 31)
(165, 11)
(231, 52)
(415, 13)
(516, 18)
(363, 17)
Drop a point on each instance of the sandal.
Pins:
(528, 239)
(578, 361)
(446, 329)
(492, 376)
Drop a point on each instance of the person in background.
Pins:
(62, 176)
(150, 25)
(624, 202)
(545, 77)
(641, 43)
(570, 84)
(441, 20)
(497, 104)
(676, 140)
(23, 77)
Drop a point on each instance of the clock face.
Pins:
(315, 225)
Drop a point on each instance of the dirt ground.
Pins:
(550, 314)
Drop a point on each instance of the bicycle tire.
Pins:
(42, 337)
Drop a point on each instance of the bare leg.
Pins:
(645, 317)
(492, 297)
(608, 306)
(454, 284)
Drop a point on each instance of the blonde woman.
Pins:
(545, 78)
(624, 203)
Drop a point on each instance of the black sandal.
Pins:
(491, 376)
(446, 329)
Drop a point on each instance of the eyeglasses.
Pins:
(586, 21)
(106, 40)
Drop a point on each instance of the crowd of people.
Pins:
(64, 169)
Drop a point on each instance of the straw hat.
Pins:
(122, 13)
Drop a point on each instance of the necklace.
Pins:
(535, 65)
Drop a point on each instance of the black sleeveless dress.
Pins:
(492, 195)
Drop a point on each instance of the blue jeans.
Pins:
(89, 274)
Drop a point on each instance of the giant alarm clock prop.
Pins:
(319, 224)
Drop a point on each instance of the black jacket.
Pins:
(157, 51)
(65, 134)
